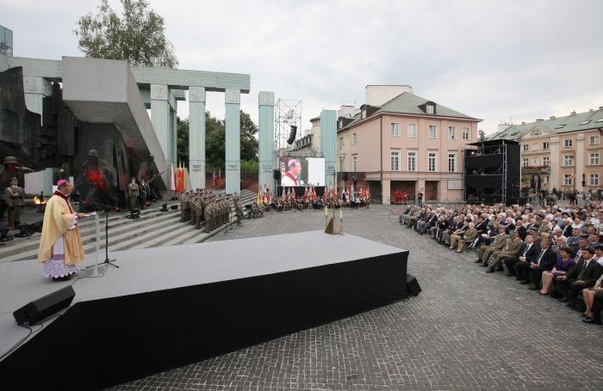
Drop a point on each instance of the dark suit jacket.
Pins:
(593, 272)
(522, 232)
(530, 257)
(548, 259)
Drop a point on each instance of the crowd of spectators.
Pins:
(555, 250)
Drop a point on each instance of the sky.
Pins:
(503, 61)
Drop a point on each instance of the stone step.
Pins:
(154, 228)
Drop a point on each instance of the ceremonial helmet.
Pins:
(92, 153)
(10, 159)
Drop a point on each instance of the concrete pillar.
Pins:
(161, 119)
(233, 141)
(556, 161)
(266, 140)
(196, 137)
(328, 144)
(36, 89)
(386, 187)
(580, 163)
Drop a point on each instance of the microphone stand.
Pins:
(107, 260)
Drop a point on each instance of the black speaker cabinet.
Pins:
(412, 285)
(43, 307)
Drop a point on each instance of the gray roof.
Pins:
(559, 125)
(408, 103)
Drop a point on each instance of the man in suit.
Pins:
(583, 275)
(526, 254)
(545, 258)
(521, 230)
(546, 263)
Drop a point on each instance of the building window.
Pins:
(395, 129)
(430, 109)
(412, 131)
(546, 161)
(526, 162)
(394, 161)
(546, 145)
(593, 180)
(412, 161)
(568, 160)
(567, 179)
(594, 159)
(568, 143)
(451, 133)
(354, 163)
(526, 147)
(536, 133)
(547, 180)
(433, 131)
(593, 140)
(465, 133)
(451, 162)
(431, 162)
(354, 138)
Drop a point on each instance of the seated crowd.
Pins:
(557, 251)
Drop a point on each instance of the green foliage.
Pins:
(481, 136)
(215, 143)
(136, 36)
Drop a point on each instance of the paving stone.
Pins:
(466, 330)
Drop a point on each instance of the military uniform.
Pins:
(14, 196)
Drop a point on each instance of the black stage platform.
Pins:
(170, 306)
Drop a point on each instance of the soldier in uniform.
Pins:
(133, 193)
(184, 211)
(14, 196)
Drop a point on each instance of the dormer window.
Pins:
(428, 107)
(536, 133)
(559, 126)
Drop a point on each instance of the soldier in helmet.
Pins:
(8, 170)
(97, 182)
(14, 196)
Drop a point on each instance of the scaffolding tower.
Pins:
(288, 113)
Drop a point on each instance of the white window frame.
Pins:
(432, 162)
(466, 133)
(567, 180)
(354, 138)
(452, 133)
(451, 162)
(568, 143)
(394, 159)
(354, 163)
(546, 145)
(430, 109)
(593, 159)
(394, 129)
(526, 162)
(593, 180)
(568, 160)
(433, 132)
(546, 161)
(593, 140)
(411, 160)
(525, 147)
(412, 130)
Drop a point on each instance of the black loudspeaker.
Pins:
(276, 175)
(344, 176)
(43, 307)
(412, 285)
(292, 134)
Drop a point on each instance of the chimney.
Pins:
(573, 112)
(552, 117)
(539, 119)
(523, 122)
(600, 107)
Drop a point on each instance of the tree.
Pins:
(481, 136)
(215, 140)
(136, 36)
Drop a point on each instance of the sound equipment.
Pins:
(292, 134)
(43, 307)
(412, 285)
(344, 176)
(276, 175)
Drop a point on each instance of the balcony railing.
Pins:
(543, 168)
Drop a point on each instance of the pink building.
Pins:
(406, 143)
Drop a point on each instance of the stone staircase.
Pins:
(154, 228)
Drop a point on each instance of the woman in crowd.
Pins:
(563, 264)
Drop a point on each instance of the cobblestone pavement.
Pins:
(467, 330)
